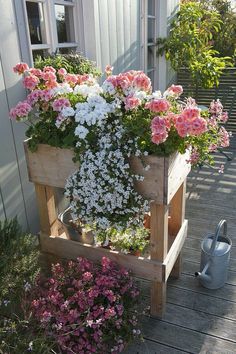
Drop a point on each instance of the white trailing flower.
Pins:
(81, 132)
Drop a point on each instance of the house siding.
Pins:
(116, 33)
(17, 194)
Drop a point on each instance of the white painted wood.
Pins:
(112, 31)
(17, 193)
(89, 29)
(172, 8)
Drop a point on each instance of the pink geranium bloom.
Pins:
(142, 82)
(71, 79)
(62, 72)
(108, 70)
(35, 72)
(132, 102)
(176, 90)
(60, 103)
(20, 111)
(49, 69)
(20, 68)
(158, 105)
(30, 82)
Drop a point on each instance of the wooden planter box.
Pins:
(164, 186)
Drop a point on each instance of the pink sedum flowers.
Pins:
(87, 309)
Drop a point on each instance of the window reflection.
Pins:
(64, 20)
(36, 22)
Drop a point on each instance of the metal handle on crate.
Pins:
(221, 224)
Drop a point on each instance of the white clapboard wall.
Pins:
(16, 193)
(111, 33)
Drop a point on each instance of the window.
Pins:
(52, 26)
(149, 36)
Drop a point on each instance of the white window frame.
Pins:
(144, 40)
(52, 44)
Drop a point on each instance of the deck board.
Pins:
(198, 320)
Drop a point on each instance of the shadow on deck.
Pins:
(199, 320)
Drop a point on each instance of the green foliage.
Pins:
(224, 41)
(190, 44)
(73, 63)
(18, 268)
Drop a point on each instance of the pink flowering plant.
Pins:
(106, 124)
(87, 309)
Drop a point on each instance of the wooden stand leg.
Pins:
(159, 248)
(177, 212)
(47, 209)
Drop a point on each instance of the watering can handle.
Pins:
(217, 233)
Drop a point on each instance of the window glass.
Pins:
(151, 30)
(36, 22)
(43, 53)
(65, 25)
(151, 7)
(66, 50)
(151, 57)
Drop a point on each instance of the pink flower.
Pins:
(49, 76)
(191, 113)
(30, 82)
(223, 137)
(224, 117)
(216, 107)
(20, 111)
(71, 79)
(35, 72)
(108, 70)
(221, 169)
(62, 72)
(20, 68)
(158, 105)
(49, 69)
(60, 103)
(131, 102)
(33, 97)
(175, 90)
(142, 82)
(159, 128)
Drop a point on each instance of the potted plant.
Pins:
(127, 141)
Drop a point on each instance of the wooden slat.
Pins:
(49, 165)
(64, 248)
(175, 249)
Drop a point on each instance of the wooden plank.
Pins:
(177, 215)
(163, 178)
(47, 209)
(175, 249)
(185, 339)
(159, 249)
(159, 231)
(187, 282)
(151, 347)
(177, 172)
(49, 165)
(140, 266)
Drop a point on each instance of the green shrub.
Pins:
(190, 43)
(74, 63)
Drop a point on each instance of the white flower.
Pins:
(68, 112)
(62, 89)
(81, 132)
(30, 347)
(86, 90)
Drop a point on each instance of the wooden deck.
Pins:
(199, 320)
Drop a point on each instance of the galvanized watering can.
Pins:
(215, 258)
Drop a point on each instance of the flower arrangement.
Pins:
(87, 309)
(106, 124)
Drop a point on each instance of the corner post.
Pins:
(159, 249)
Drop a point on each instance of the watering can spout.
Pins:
(202, 275)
